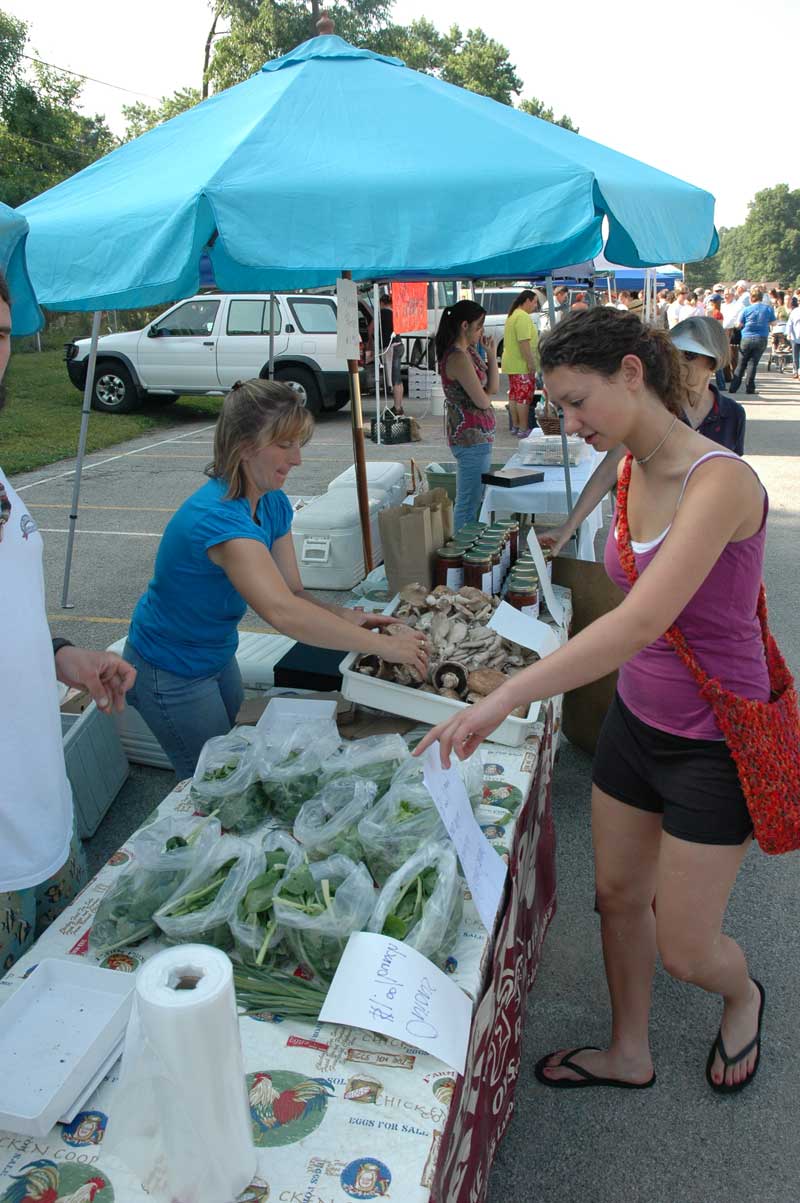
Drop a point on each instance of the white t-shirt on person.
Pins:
(35, 795)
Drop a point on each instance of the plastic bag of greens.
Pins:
(470, 771)
(328, 822)
(226, 780)
(291, 771)
(422, 902)
(404, 820)
(318, 905)
(254, 927)
(163, 855)
(376, 758)
(202, 907)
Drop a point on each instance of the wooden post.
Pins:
(359, 459)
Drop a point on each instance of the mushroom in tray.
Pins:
(483, 681)
(450, 677)
(372, 666)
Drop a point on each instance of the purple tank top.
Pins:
(721, 627)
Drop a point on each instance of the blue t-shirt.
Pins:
(186, 621)
(755, 320)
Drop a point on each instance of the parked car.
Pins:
(202, 346)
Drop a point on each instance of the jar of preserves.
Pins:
(478, 569)
(512, 530)
(449, 566)
(493, 548)
(523, 595)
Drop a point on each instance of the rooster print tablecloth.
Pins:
(340, 1113)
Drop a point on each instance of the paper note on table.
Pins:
(386, 986)
(553, 605)
(347, 336)
(520, 628)
(484, 869)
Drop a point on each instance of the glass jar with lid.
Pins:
(478, 569)
(449, 566)
(523, 594)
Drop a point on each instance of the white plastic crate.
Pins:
(97, 766)
(327, 540)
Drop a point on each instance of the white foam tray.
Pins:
(56, 1032)
(427, 707)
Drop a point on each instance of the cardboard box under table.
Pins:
(389, 1111)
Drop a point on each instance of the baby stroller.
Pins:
(780, 349)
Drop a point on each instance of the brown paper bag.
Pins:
(593, 594)
(409, 539)
(439, 501)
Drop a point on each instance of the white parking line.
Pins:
(99, 463)
(138, 534)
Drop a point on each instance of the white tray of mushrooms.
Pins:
(467, 662)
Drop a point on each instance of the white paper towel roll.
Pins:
(180, 1117)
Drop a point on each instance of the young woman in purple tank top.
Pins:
(668, 817)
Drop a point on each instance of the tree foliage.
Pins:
(140, 117)
(765, 247)
(43, 136)
(263, 29)
(537, 108)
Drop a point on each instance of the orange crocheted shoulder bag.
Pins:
(763, 737)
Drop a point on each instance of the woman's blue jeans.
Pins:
(184, 712)
(470, 463)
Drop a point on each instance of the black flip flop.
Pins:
(588, 1079)
(724, 1087)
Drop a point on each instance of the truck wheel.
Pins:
(304, 383)
(114, 391)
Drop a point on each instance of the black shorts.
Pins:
(693, 783)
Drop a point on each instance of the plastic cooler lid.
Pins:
(334, 511)
(385, 475)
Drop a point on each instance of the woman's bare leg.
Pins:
(626, 848)
(694, 884)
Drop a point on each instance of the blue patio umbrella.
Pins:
(334, 158)
(26, 316)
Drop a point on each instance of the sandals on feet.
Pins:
(587, 1078)
(718, 1047)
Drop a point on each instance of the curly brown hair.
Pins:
(597, 340)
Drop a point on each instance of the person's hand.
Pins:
(555, 538)
(488, 344)
(373, 620)
(465, 731)
(105, 674)
(405, 646)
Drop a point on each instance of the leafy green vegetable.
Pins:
(407, 908)
(287, 785)
(260, 990)
(256, 907)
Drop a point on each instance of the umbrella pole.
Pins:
(551, 307)
(359, 459)
(76, 489)
(376, 339)
(271, 369)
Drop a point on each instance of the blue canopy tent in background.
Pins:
(313, 166)
(26, 316)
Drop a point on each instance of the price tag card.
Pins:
(386, 986)
(484, 870)
(553, 604)
(521, 628)
(347, 336)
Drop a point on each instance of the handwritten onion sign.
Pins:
(386, 986)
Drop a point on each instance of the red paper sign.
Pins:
(409, 307)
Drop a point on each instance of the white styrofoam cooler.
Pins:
(256, 655)
(327, 540)
(387, 478)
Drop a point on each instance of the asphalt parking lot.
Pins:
(677, 1143)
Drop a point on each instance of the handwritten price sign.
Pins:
(386, 986)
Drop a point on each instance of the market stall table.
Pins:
(548, 496)
(387, 1115)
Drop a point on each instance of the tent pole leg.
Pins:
(76, 489)
(271, 368)
(359, 458)
(376, 352)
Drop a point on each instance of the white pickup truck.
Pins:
(203, 345)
